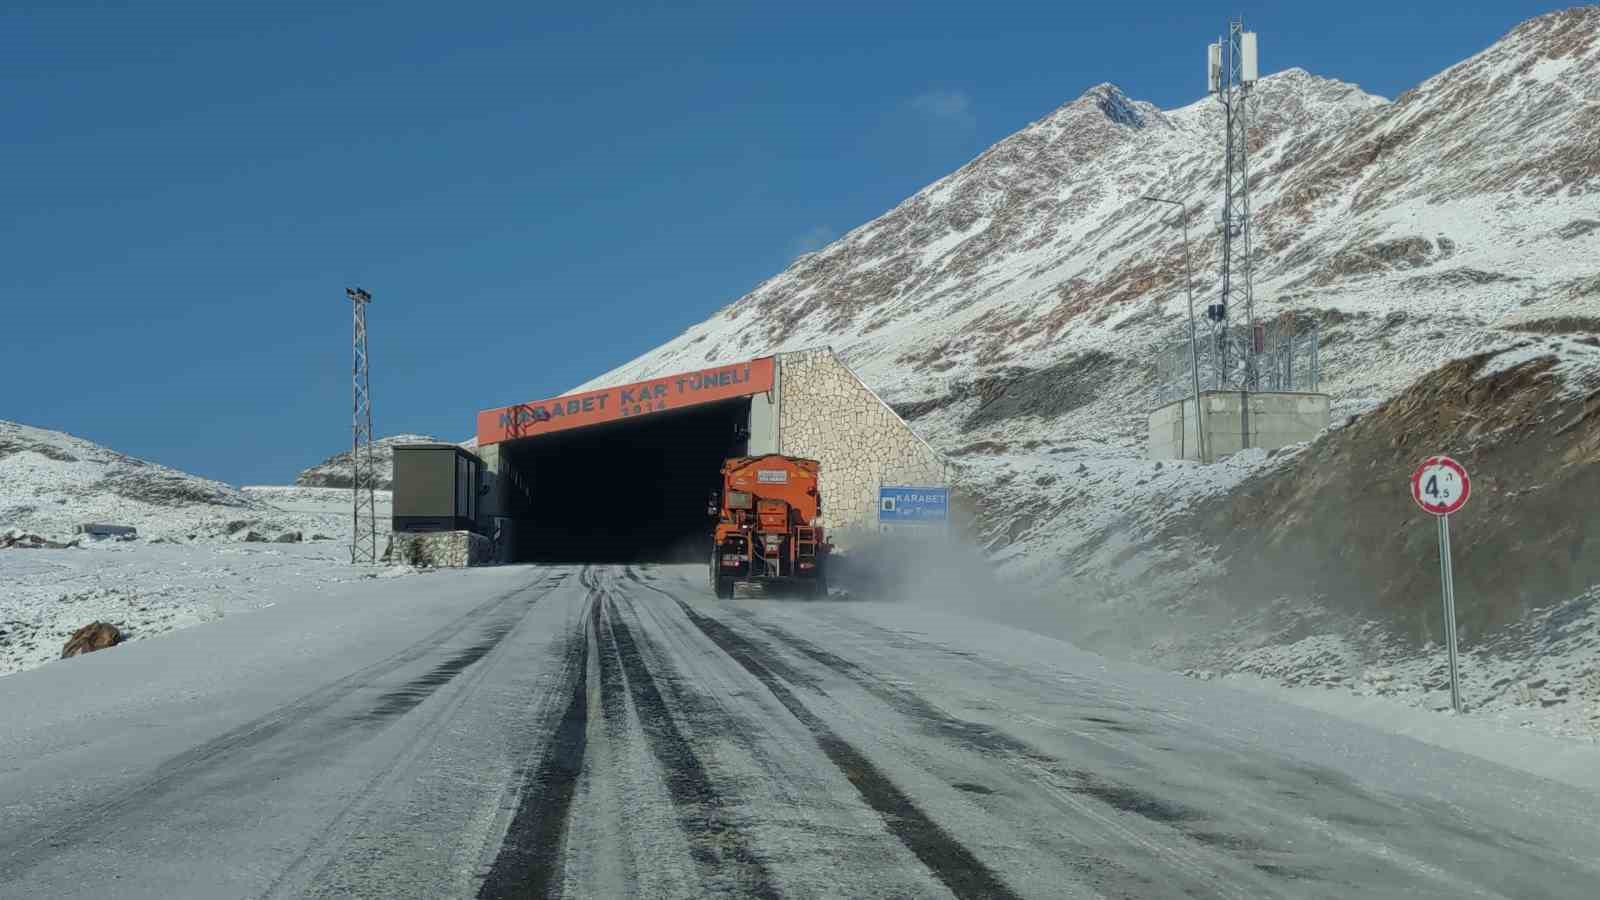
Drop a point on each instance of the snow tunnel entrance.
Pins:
(627, 491)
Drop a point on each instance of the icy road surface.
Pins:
(613, 732)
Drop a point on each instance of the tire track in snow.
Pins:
(236, 753)
(529, 861)
(1043, 770)
(1077, 789)
(341, 867)
(719, 848)
(408, 696)
(952, 863)
(1267, 855)
(789, 796)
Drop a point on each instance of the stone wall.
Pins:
(440, 549)
(827, 414)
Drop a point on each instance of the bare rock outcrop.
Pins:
(91, 637)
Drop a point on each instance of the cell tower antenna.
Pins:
(1231, 73)
(363, 476)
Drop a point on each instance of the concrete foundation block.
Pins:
(440, 549)
(1235, 420)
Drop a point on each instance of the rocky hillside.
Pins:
(335, 470)
(1337, 518)
(1462, 203)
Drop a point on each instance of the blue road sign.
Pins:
(913, 505)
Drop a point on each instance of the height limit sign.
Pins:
(1441, 486)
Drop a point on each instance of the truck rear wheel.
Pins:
(721, 585)
(819, 587)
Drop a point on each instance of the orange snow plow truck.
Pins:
(767, 530)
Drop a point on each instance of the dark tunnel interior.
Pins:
(631, 491)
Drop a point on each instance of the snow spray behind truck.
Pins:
(767, 529)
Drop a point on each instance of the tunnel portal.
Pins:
(627, 491)
(623, 473)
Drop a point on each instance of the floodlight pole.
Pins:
(1194, 328)
(363, 478)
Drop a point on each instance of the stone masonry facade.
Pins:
(440, 549)
(826, 413)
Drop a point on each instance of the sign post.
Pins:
(1440, 486)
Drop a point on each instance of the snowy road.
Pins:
(608, 732)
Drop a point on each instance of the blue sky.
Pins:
(533, 193)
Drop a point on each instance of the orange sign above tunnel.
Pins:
(653, 395)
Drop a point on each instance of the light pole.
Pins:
(1194, 334)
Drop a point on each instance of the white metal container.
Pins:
(1248, 70)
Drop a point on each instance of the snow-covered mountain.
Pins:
(1464, 199)
(1416, 231)
(335, 470)
(51, 481)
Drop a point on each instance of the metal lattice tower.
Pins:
(1232, 72)
(363, 476)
